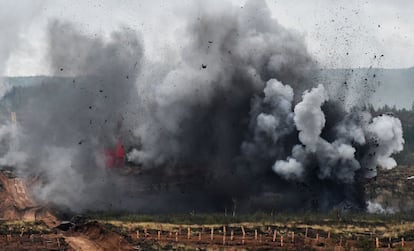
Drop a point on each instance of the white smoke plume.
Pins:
(376, 208)
(386, 132)
(337, 159)
(309, 118)
(289, 169)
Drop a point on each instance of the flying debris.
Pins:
(261, 130)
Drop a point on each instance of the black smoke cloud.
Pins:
(240, 119)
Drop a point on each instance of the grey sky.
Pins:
(337, 33)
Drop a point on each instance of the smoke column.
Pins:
(240, 117)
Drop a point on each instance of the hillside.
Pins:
(392, 87)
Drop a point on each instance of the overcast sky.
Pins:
(337, 33)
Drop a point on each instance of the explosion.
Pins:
(241, 117)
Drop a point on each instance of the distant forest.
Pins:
(406, 157)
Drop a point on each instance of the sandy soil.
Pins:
(82, 243)
(17, 203)
(94, 236)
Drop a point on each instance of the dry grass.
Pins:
(380, 230)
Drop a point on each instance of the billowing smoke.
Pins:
(339, 154)
(63, 126)
(239, 118)
(333, 149)
(196, 103)
(376, 208)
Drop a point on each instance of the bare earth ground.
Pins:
(26, 225)
(95, 236)
(260, 236)
(18, 212)
(87, 237)
(17, 203)
(82, 243)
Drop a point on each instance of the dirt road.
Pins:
(82, 244)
